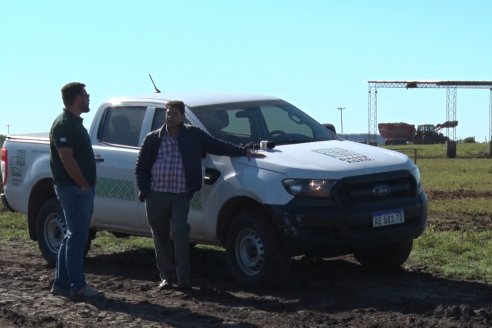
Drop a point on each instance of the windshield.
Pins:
(277, 121)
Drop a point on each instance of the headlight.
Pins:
(309, 187)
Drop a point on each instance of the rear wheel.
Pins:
(428, 139)
(50, 230)
(387, 257)
(255, 253)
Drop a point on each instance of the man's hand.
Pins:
(85, 187)
(250, 154)
(73, 168)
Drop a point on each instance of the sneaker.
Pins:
(57, 291)
(85, 293)
(165, 284)
(184, 285)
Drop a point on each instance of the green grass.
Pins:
(465, 187)
(460, 255)
(455, 174)
(12, 226)
(111, 244)
(462, 207)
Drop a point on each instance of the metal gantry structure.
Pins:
(451, 95)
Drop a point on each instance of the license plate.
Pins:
(384, 218)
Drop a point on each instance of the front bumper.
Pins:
(320, 227)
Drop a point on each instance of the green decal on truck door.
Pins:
(115, 188)
(196, 201)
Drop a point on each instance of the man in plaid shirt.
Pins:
(168, 172)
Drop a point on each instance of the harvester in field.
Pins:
(397, 133)
(403, 133)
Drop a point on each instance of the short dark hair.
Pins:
(178, 104)
(70, 91)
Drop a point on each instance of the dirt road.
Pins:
(322, 293)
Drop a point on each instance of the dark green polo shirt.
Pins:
(67, 131)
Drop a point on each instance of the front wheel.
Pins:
(50, 230)
(255, 253)
(387, 257)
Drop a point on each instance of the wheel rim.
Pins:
(54, 231)
(250, 252)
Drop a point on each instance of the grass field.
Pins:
(457, 243)
(458, 240)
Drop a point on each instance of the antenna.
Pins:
(156, 90)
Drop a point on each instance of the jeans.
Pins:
(77, 207)
(164, 208)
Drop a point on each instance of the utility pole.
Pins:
(341, 117)
(8, 129)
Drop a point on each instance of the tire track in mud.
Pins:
(457, 194)
(462, 221)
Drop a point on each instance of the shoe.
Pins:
(85, 293)
(57, 291)
(184, 285)
(165, 284)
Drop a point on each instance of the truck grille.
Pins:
(375, 188)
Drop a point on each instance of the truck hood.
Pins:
(333, 159)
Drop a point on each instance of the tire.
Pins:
(255, 252)
(50, 230)
(385, 258)
(428, 139)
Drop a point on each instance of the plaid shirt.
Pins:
(168, 173)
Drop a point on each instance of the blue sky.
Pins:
(317, 55)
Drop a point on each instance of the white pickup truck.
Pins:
(312, 194)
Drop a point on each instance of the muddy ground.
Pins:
(319, 293)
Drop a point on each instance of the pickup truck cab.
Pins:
(313, 194)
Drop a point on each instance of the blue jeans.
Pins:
(77, 207)
(166, 210)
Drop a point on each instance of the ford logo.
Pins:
(381, 190)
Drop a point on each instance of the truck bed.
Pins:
(30, 137)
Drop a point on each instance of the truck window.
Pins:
(229, 124)
(286, 122)
(122, 125)
(160, 118)
(278, 121)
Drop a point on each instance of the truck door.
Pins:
(116, 150)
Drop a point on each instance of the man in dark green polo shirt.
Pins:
(74, 177)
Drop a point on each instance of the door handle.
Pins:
(98, 159)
